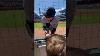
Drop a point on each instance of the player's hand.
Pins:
(47, 34)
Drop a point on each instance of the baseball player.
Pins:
(49, 21)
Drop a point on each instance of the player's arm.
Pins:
(55, 24)
(45, 26)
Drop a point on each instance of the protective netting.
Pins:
(13, 38)
(84, 31)
(40, 6)
(14, 41)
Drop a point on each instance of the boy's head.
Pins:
(56, 45)
(50, 12)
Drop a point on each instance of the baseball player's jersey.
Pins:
(50, 25)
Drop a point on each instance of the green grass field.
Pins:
(12, 18)
(39, 25)
(86, 19)
(16, 18)
(77, 21)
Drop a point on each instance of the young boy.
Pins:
(49, 21)
(56, 45)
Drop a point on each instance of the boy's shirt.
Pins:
(53, 23)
